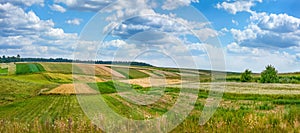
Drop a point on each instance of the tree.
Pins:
(246, 76)
(18, 57)
(269, 75)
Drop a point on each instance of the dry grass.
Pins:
(69, 89)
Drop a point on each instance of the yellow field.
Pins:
(70, 89)
(148, 82)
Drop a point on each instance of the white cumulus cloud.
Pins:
(58, 8)
(24, 30)
(237, 6)
(270, 31)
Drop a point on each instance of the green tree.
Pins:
(246, 76)
(269, 75)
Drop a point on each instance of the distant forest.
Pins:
(8, 59)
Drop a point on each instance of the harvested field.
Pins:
(148, 82)
(86, 79)
(94, 69)
(68, 89)
(113, 72)
(104, 71)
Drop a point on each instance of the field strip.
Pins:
(248, 88)
(69, 89)
(86, 79)
(43, 110)
(148, 82)
(11, 69)
(113, 72)
(166, 74)
(150, 74)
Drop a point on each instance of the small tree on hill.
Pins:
(269, 75)
(246, 76)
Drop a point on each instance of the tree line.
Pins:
(9, 59)
(269, 75)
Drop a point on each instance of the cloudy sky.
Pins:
(252, 33)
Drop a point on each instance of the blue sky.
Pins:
(253, 33)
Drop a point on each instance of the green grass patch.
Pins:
(110, 87)
(3, 71)
(27, 68)
(265, 106)
(15, 90)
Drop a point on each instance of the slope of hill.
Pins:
(42, 97)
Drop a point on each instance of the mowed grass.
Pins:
(27, 68)
(130, 73)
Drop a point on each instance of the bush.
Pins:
(269, 75)
(246, 76)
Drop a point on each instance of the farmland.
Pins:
(41, 97)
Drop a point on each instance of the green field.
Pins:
(23, 108)
(26, 68)
(3, 71)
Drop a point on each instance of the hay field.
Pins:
(71, 89)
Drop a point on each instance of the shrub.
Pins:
(246, 76)
(269, 75)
